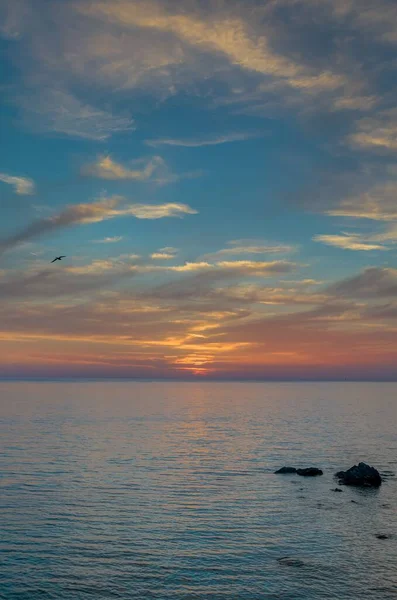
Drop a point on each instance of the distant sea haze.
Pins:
(166, 490)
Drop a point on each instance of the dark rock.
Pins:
(285, 471)
(360, 475)
(382, 536)
(354, 501)
(310, 472)
(337, 490)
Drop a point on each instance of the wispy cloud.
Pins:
(60, 112)
(377, 204)
(157, 211)
(153, 169)
(377, 133)
(166, 253)
(164, 49)
(199, 142)
(200, 279)
(373, 282)
(349, 241)
(241, 247)
(240, 267)
(232, 37)
(23, 185)
(379, 20)
(94, 213)
(106, 168)
(109, 240)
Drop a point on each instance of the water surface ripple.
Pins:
(166, 491)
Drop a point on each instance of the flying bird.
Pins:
(58, 258)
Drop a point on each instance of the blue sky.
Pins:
(221, 177)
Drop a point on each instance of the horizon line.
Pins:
(197, 379)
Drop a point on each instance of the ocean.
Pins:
(163, 490)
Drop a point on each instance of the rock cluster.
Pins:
(359, 475)
(309, 472)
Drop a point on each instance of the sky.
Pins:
(221, 176)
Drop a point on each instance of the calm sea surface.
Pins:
(166, 491)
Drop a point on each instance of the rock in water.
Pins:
(285, 470)
(382, 536)
(360, 475)
(310, 472)
(337, 490)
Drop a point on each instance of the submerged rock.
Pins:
(382, 536)
(337, 490)
(285, 471)
(310, 472)
(360, 475)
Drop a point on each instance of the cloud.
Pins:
(373, 282)
(106, 168)
(58, 111)
(152, 169)
(166, 253)
(242, 267)
(377, 133)
(361, 15)
(158, 211)
(230, 35)
(280, 295)
(162, 256)
(46, 284)
(79, 57)
(94, 213)
(199, 279)
(109, 240)
(23, 185)
(195, 325)
(97, 267)
(379, 20)
(247, 247)
(350, 241)
(199, 142)
(378, 204)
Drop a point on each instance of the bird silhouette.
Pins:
(58, 258)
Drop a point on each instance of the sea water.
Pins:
(163, 490)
